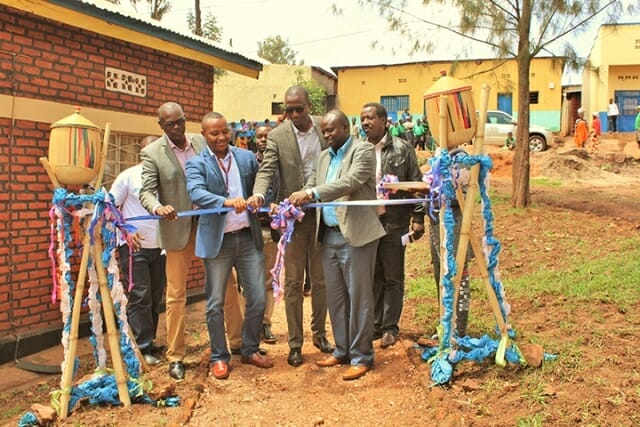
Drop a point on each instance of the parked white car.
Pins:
(499, 124)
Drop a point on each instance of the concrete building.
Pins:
(614, 72)
(401, 86)
(255, 100)
(55, 55)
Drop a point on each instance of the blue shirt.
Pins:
(329, 212)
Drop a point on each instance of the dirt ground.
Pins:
(598, 385)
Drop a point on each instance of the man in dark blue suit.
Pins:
(223, 176)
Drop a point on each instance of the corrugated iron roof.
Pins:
(120, 16)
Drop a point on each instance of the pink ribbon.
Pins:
(283, 220)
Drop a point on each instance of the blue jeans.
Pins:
(238, 250)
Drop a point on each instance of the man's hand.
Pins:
(238, 204)
(136, 241)
(418, 230)
(299, 197)
(167, 212)
(255, 202)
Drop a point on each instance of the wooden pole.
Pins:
(467, 207)
(444, 140)
(112, 330)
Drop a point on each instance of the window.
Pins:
(533, 97)
(122, 154)
(277, 108)
(395, 103)
(498, 118)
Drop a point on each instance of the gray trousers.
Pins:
(301, 248)
(349, 276)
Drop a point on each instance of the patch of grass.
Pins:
(536, 420)
(545, 182)
(536, 394)
(609, 279)
(10, 412)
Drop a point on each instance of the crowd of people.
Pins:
(352, 255)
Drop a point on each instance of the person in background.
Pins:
(580, 130)
(419, 134)
(355, 129)
(222, 176)
(594, 135)
(269, 235)
(406, 115)
(148, 263)
(409, 136)
(510, 142)
(292, 150)
(349, 236)
(612, 116)
(393, 157)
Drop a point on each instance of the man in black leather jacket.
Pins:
(393, 157)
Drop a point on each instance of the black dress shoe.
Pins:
(323, 344)
(295, 357)
(176, 370)
(155, 349)
(267, 336)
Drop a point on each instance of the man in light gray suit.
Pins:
(164, 193)
(291, 150)
(349, 236)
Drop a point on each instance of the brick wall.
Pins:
(59, 63)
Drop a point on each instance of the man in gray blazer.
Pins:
(349, 237)
(164, 193)
(222, 176)
(291, 150)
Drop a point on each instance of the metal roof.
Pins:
(118, 16)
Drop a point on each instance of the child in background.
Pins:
(510, 143)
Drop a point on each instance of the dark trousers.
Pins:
(145, 298)
(464, 292)
(388, 282)
(612, 123)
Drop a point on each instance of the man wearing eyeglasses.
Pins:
(292, 149)
(164, 193)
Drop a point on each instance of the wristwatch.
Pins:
(309, 192)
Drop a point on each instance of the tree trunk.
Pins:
(520, 195)
(198, 16)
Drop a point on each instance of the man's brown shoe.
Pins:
(220, 369)
(329, 361)
(354, 372)
(256, 359)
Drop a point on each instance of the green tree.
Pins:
(513, 29)
(157, 8)
(317, 93)
(276, 50)
(209, 30)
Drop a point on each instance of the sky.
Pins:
(325, 39)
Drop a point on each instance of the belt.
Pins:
(333, 227)
(240, 230)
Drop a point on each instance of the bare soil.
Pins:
(597, 384)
